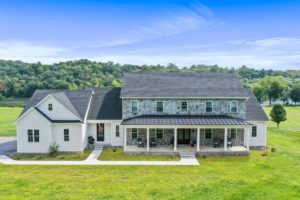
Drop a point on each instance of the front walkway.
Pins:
(92, 160)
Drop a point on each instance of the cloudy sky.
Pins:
(256, 33)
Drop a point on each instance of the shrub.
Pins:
(273, 149)
(265, 153)
(114, 150)
(53, 149)
(91, 140)
(278, 114)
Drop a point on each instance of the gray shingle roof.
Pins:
(76, 101)
(106, 104)
(182, 85)
(254, 111)
(184, 120)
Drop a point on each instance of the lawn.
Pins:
(7, 117)
(60, 156)
(276, 176)
(118, 154)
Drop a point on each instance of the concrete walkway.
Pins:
(92, 160)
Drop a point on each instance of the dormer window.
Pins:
(184, 105)
(159, 106)
(208, 106)
(233, 106)
(50, 107)
(134, 106)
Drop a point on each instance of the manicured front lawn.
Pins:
(118, 154)
(60, 156)
(7, 117)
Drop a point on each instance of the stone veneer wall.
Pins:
(173, 107)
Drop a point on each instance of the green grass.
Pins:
(7, 117)
(293, 116)
(276, 176)
(60, 156)
(118, 154)
(13, 102)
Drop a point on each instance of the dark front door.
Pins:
(100, 132)
(184, 136)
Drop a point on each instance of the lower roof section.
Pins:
(185, 120)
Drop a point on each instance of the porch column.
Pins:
(148, 137)
(175, 139)
(248, 138)
(225, 139)
(198, 139)
(125, 138)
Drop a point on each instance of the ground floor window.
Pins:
(159, 133)
(36, 135)
(30, 135)
(134, 133)
(117, 131)
(208, 134)
(254, 131)
(233, 133)
(66, 135)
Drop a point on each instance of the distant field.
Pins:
(7, 118)
(13, 102)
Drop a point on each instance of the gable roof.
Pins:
(254, 111)
(181, 84)
(106, 104)
(76, 101)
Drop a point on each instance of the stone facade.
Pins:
(173, 107)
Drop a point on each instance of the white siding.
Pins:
(33, 120)
(75, 142)
(261, 137)
(59, 111)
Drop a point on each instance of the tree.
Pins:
(295, 93)
(278, 114)
(115, 84)
(274, 87)
(259, 93)
(2, 89)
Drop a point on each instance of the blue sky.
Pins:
(260, 34)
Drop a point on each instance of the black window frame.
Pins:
(36, 135)
(209, 109)
(30, 135)
(66, 135)
(158, 133)
(159, 108)
(210, 132)
(117, 131)
(50, 106)
(254, 133)
(134, 131)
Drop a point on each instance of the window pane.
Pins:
(233, 106)
(208, 133)
(36, 135)
(233, 132)
(50, 106)
(134, 133)
(66, 135)
(209, 106)
(30, 136)
(134, 107)
(254, 131)
(117, 131)
(159, 133)
(159, 106)
(184, 105)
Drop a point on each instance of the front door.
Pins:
(184, 136)
(100, 132)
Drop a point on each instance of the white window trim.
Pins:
(163, 133)
(187, 105)
(68, 135)
(117, 136)
(137, 106)
(237, 106)
(212, 106)
(163, 103)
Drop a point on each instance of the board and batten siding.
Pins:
(33, 120)
(59, 111)
(75, 142)
(261, 137)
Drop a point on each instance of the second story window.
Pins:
(134, 106)
(184, 105)
(208, 106)
(159, 106)
(233, 106)
(50, 106)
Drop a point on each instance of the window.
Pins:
(66, 135)
(208, 133)
(117, 131)
(233, 106)
(254, 131)
(36, 135)
(30, 135)
(184, 105)
(134, 133)
(159, 106)
(233, 132)
(134, 106)
(159, 134)
(50, 107)
(208, 106)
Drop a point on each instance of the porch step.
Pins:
(186, 155)
(98, 146)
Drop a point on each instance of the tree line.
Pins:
(19, 79)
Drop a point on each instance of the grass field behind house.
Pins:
(276, 176)
(7, 117)
(293, 116)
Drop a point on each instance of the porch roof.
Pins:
(185, 120)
